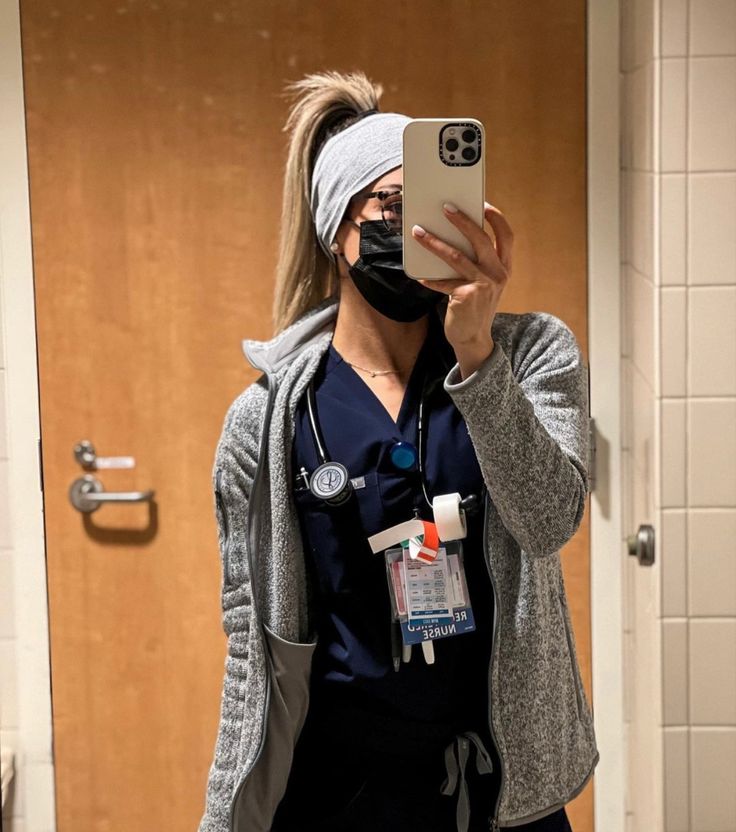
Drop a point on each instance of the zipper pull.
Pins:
(494, 825)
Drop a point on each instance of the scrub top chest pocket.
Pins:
(335, 536)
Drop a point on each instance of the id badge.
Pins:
(428, 589)
(430, 600)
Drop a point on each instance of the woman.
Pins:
(323, 726)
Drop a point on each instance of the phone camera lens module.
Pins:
(452, 144)
(468, 154)
(468, 135)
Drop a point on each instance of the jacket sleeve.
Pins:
(233, 473)
(530, 432)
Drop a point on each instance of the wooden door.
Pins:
(155, 155)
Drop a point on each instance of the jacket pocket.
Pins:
(577, 681)
(223, 525)
(290, 668)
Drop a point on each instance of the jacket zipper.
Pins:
(494, 826)
(251, 538)
(494, 820)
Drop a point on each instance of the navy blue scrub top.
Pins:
(353, 657)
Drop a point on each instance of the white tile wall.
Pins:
(673, 27)
(712, 228)
(673, 341)
(673, 460)
(677, 779)
(711, 368)
(713, 763)
(673, 541)
(673, 142)
(713, 27)
(711, 547)
(712, 688)
(712, 114)
(673, 229)
(675, 669)
(680, 242)
(712, 452)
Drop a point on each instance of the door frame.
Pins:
(30, 738)
(604, 341)
(607, 537)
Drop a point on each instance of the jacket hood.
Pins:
(270, 356)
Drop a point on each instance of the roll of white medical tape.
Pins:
(449, 517)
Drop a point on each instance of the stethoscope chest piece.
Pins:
(331, 482)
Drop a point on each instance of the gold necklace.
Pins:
(373, 373)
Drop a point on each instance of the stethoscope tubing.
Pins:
(320, 444)
(469, 504)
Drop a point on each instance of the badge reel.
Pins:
(426, 575)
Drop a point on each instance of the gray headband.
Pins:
(347, 162)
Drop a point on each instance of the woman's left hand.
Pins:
(476, 291)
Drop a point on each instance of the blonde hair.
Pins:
(328, 102)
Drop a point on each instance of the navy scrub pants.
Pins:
(342, 782)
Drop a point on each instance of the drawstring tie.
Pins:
(456, 756)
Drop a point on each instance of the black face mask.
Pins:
(379, 276)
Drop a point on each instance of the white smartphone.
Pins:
(444, 161)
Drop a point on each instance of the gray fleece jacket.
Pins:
(526, 410)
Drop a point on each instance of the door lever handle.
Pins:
(641, 545)
(87, 494)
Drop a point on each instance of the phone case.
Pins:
(428, 182)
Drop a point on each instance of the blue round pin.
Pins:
(404, 455)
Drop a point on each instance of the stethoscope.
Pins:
(330, 480)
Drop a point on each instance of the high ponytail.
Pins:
(328, 102)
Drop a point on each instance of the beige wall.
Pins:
(679, 338)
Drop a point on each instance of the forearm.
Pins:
(471, 356)
(537, 483)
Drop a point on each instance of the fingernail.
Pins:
(448, 206)
(418, 230)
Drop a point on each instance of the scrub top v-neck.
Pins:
(353, 659)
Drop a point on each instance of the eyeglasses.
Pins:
(391, 208)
